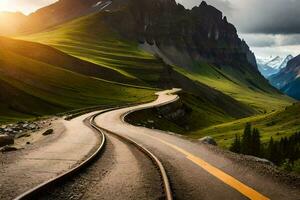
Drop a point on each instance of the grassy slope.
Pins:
(30, 88)
(276, 124)
(234, 83)
(52, 56)
(100, 45)
(88, 39)
(199, 113)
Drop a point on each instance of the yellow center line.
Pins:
(225, 178)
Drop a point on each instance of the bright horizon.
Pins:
(24, 6)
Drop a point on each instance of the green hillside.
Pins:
(276, 124)
(89, 38)
(190, 113)
(31, 87)
(244, 86)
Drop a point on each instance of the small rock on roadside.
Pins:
(24, 135)
(208, 140)
(6, 140)
(8, 149)
(262, 160)
(48, 132)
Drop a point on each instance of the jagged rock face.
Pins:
(201, 33)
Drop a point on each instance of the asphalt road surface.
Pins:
(195, 170)
(70, 144)
(120, 172)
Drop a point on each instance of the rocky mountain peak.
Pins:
(201, 33)
(203, 4)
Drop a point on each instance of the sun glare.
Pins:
(24, 6)
(13, 6)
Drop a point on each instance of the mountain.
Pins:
(200, 33)
(288, 79)
(269, 67)
(279, 62)
(184, 36)
(118, 39)
(126, 51)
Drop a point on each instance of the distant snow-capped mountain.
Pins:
(288, 79)
(271, 66)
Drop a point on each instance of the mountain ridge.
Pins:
(269, 67)
(288, 79)
(49, 16)
(201, 33)
(102, 44)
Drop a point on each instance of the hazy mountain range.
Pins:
(271, 66)
(288, 79)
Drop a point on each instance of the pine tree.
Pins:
(256, 142)
(236, 145)
(270, 151)
(247, 140)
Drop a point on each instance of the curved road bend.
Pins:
(195, 171)
(72, 142)
(121, 172)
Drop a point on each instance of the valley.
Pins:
(156, 91)
(41, 85)
(124, 62)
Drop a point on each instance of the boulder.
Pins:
(6, 140)
(208, 140)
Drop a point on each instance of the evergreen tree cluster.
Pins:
(287, 149)
(249, 144)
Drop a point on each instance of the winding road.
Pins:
(195, 170)
(124, 171)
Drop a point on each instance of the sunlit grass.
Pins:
(37, 88)
(226, 80)
(88, 39)
(276, 124)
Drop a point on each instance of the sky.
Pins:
(25, 6)
(270, 27)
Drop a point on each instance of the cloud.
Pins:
(268, 16)
(270, 40)
(258, 16)
(270, 27)
(264, 52)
